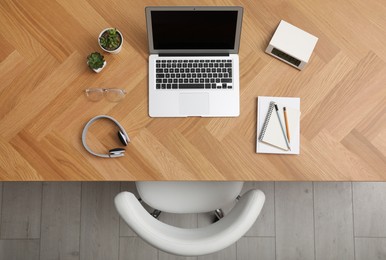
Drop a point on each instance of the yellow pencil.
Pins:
(286, 124)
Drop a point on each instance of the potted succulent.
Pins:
(96, 61)
(111, 40)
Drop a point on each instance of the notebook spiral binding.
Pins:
(270, 109)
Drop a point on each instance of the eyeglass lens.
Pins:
(112, 94)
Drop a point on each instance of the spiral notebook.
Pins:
(270, 137)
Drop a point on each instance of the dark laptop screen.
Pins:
(190, 30)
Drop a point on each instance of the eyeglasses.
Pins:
(112, 94)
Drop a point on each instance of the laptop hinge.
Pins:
(191, 54)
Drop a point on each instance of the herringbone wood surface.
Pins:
(43, 73)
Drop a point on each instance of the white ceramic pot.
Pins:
(100, 69)
(116, 51)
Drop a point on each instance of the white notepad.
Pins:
(271, 133)
(273, 140)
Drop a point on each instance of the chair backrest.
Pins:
(188, 196)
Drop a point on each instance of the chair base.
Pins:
(219, 213)
(156, 213)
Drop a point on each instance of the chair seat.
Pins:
(191, 242)
(188, 196)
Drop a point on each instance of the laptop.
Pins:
(194, 62)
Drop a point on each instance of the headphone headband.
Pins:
(116, 152)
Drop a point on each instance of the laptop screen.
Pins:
(174, 30)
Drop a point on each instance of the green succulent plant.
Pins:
(95, 60)
(110, 39)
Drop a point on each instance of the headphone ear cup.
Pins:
(122, 138)
(117, 151)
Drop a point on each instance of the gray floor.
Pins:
(300, 220)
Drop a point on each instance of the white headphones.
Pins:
(122, 135)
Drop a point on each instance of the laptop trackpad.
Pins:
(194, 104)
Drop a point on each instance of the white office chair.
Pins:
(190, 197)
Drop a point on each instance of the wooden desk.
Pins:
(43, 73)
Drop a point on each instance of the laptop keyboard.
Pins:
(194, 74)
